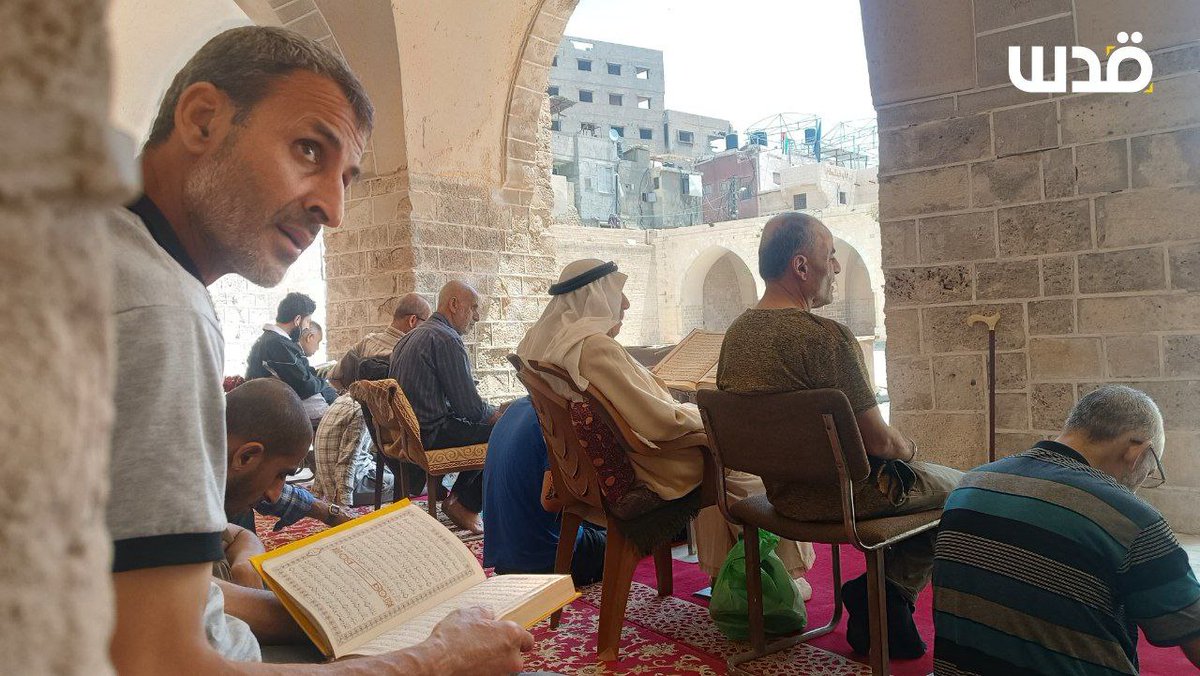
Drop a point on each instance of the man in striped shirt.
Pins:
(1048, 563)
(432, 367)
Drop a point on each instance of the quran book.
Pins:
(381, 582)
(692, 364)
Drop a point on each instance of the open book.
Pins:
(692, 364)
(381, 583)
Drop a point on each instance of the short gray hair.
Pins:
(246, 62)
(793, 235)
(312, 327)
(1113, 410)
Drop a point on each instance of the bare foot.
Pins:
(462, 517)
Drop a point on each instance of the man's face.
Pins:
(255, 475)
(260, 199)
(297, 327)
(822, 269)
(1140, 470)
(310, 342)
(466, 312)
(612, 333)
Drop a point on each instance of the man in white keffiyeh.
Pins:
(577, 332)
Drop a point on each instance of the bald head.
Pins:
(410, 310)
(459, 303)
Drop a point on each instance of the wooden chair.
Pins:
(809, 438)
(578, 485)
(396, 432)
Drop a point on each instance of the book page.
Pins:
(357, 583)
(694, 357)
(502, 594)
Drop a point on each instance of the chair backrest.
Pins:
(573, 475)
(783, 436)
(397, 431)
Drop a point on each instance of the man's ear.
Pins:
(800, 264)
(200, 117)
(247, 456)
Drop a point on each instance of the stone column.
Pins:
(1073, 216)
(56, 610)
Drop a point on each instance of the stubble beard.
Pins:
(218, 205)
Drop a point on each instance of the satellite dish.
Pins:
(613, 135)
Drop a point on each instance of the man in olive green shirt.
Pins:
(781, 346)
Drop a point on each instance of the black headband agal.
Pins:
(582, 279)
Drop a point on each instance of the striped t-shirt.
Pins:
(1044, 565)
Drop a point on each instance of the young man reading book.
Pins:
(250, 155)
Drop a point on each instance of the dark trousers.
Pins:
(587, 563)
(468, 488)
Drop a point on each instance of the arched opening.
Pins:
(717, 287)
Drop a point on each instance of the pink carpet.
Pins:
(689, 579)
(674, 636)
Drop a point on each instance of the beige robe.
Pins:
(643, 400)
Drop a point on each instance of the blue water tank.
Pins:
(731, 141)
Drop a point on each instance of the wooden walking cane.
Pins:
(991, 321)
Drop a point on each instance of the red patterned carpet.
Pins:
(675, 635)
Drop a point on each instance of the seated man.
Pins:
(781, 346)
(343, 447)
(345, 465)
(310, 338)
(577, 332)
(432, 367)
(267, 436)
(520, 512)
(277, 352)
(410, 311)
(1047, 562)
(231, 187)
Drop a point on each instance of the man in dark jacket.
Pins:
(277, 353)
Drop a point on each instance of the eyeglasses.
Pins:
(1157, 476)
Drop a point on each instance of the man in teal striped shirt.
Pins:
(1047, 563)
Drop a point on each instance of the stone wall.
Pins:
(723, 299)
(56, 179)
(1073, 216)
(634, 255)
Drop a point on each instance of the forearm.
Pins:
(321, 512)
(244, 545)
(882, 440)
(262, 610)
(895, 447)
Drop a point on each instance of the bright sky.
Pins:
(746, 60)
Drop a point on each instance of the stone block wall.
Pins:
(57, 179)
(1074, 216)
(634, 255)
(407, 232)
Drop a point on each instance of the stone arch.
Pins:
(527, 98)
(716, 288)
(853, 297)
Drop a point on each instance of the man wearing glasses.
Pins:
(1048, 563)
